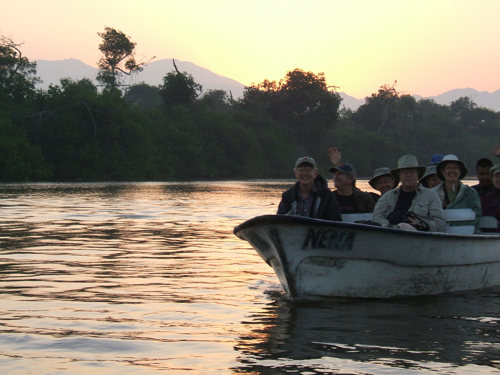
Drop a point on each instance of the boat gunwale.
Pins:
(301, 220)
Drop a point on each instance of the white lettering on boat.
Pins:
(328, 239)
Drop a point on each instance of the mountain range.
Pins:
(52, 71)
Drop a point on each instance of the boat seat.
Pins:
(488, 222)
(459, 214)
(456, 215)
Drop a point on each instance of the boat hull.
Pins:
(332, 259)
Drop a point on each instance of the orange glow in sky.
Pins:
(429, 47)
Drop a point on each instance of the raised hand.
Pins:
(336, 156)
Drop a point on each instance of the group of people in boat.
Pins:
(411, 196)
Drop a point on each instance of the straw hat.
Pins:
(448, 159)
(379, 172)
(405, 162)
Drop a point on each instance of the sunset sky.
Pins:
(429, 47)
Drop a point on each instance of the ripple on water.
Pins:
(148, 277)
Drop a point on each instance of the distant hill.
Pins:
(153, 75)
(52, 71)
(481, 98)
(350, 102)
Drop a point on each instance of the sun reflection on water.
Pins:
(148, 277)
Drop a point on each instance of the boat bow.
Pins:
(314, 257)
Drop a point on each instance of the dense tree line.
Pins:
(77, 131)
(391, 124)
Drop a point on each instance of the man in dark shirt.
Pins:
(351, 200)
(483, 175)
(394, 207)
(491, 202)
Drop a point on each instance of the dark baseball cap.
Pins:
(344, 168)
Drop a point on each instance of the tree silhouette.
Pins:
(118, 59)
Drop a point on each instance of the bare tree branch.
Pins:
(50, 113)
(175, 66)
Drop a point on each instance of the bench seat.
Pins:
(455, 215)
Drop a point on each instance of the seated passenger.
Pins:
(429, 179)
(453, 193)
(490, 202)
(351, 200)
(483, 175)
(411, 206)
(336, 158)
(383, 182)
(310, 195)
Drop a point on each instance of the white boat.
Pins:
(317, 258)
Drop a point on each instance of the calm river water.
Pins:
(148, 278)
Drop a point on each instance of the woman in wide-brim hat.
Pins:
(430, 179)
(454, 193)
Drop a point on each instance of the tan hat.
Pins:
(379, 172)
(305, 159)
(429, 171)
(447, 159)
(406, 162)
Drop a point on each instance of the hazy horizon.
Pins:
(153, 74)
(429, 47)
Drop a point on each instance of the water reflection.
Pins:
(125, 277)
(148, 277)
(450, 333)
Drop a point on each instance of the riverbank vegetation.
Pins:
(79, 131)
